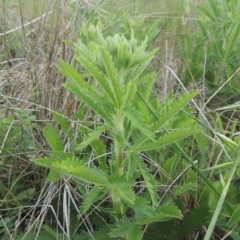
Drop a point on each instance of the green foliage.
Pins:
(119, 91)
(17, 134)
(125, 165)
(194, 220)
(212, 55)
(75, 168)
(52, 136)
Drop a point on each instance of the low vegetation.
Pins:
(119, 120)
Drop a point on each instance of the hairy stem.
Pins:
(119, 148)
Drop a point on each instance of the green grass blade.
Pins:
(167, 139)
(219, 206)
(74, 167)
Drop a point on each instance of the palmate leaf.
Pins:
(167, 139)
(165, 212)
(99, 234)
(74, 167)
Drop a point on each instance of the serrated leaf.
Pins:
(53, 138)
(124, 192)
(91, 137)
(165, 212)
(166, 113)
(100, 234)
(232, 38)
(81, 94)
(207, 13)
(134, 232)
(96, 73)
(194, 220)
(136, 119)
(79, 116)
(121, 57)
(148, 178)
(113, 77)
(172, 107)
(132, 166)
(184, 188)
(84, 91)
(100, 150)
(129, 92)
(142, 206)
(72, 74)
(93, 195)
(167, 139)
(75, 168)
(122, 229)
(52, 176)
(147, 90)
(214, 6)
(62, 121)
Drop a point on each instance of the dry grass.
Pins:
(31, 47)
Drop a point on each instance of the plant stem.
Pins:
(119, 148)
(118, 206)
(119, 138)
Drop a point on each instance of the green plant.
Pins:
(119, 91)
(212, 54)
(225, 169)
(17, 143)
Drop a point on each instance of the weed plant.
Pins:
(99, 137)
